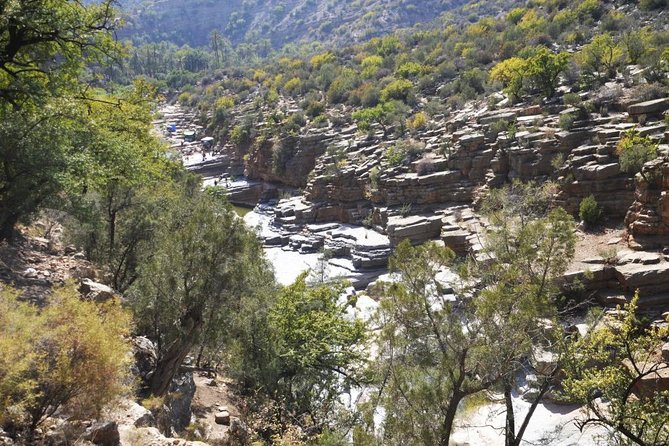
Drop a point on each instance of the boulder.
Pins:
(415, 228)
(95, 291)
(222, 417)
(145, 355)
(597, 172)
(543, 361)
(455, 238)
(103, 434)
(648, 279)
(641, 257)
(30, 273)
(178, 403)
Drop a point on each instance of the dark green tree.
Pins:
(203, 261)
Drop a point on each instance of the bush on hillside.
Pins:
(70, 357)
(590, 211)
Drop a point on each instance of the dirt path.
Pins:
(597, 244)
(209, 400)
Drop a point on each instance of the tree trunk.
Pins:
(545, 386)
(510, 427)
(7, 224)
(449, 418)
(169, 363)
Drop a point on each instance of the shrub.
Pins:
(293, 85)
(374, 177)
(589, 211)
(402, 152)
(425, 166)
(185, 98)
(418, 121)
(398, 89)
(498, 127)
(71, 356)
(572, 99)
(567, 121)
(634, 151)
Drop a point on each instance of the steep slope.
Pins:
(279, 22)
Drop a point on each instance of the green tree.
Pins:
(429, 349)
(319, 348)
(45, 45)
(399, 90)
(511, 73)
(589, 211)
(434, 351)
(527, 248)
(386, 114)
(544, 69)
(600, 57)
(203, 261)
(61, 137)
(612, 371)
(636, 43)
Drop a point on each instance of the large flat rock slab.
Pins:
(649, 107)
(648, 279)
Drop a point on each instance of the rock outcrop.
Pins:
(647, 220)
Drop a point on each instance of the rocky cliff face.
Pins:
(460, 154)
(301, 153)
(647, 220)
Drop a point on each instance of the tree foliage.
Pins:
(511, 73)
(545, 67)
(614, 370)
(45, 45)
(204, 260)
(436, 349)
(61, 136)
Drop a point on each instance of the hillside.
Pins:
(279, 22)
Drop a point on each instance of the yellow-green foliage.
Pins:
(319, 60)
(293, 85)
(71, 355)
(225, 102)
(185, 98)
(398, 89)
(634, 151)
(510, 73)
(370, 65)
(616, 363)
(418, 121)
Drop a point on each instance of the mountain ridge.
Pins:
(276, 23)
